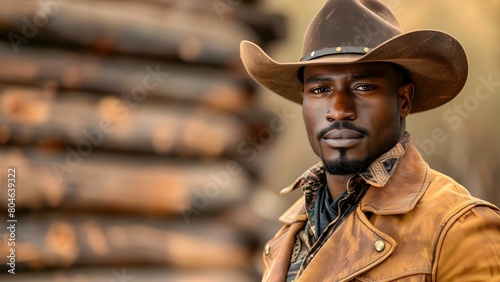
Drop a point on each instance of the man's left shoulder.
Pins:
(444, 191)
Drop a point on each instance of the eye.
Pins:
(364, 87)
(319, 90)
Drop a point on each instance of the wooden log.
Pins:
(121, 184)
(37, 116)
(70, 240)
(130, 274)
(130, 27)
(70, 70)
(258, 221)
(269, 26)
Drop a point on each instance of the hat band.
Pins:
(334, 51)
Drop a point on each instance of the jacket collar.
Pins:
(404, 188)
(396, 186)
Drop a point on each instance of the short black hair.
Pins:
(300, 74)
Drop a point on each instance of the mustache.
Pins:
(342, 125)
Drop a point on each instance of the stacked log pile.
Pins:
(126, 121)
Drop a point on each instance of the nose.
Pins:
(341, 107)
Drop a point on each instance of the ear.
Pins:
(405, 96)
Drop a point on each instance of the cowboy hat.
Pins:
(361, 31)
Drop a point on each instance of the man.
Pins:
(372, 208)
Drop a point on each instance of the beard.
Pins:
(344, 166)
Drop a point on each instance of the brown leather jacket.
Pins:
(421, 226)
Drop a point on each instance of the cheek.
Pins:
(309, 120)
(312, 121)
(384, 111)
(385, 126)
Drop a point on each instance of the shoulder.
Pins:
(468, 245)
(468, 237)
(452, 202)
(445, 192)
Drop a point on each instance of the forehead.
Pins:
(381, 70)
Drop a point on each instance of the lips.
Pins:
(342, 134)
(342, 138)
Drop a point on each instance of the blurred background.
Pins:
(143, 152)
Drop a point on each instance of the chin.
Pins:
(343, 165)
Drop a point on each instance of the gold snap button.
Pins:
(338, 49)
(379, 246)
(366, 49)
(267, 249)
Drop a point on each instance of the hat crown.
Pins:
(344, 23)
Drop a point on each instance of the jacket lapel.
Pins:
(354, 248)
(278, 269)
(281, 246)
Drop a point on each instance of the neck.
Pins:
(337, 184)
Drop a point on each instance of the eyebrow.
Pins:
(374, 74)
(318, 80)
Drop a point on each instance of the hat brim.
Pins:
(436, 61)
